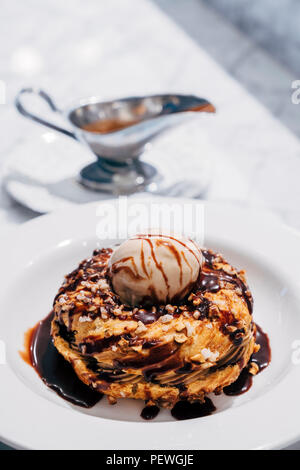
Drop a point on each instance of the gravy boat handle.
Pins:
(34, 117)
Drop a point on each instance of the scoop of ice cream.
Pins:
(155, 269)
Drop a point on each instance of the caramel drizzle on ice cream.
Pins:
(119, 266)
(162, 240)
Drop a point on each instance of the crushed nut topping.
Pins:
(189, 328)
(166, 318)
(254, 368)
(180, 338)
(63, 299)
(140, 328)
(102, 283)
(213, 310)
(231, 328)
(166, 327)
(111, 400)
(170, 308)
(86, 284)
(197, 358)
(180, 326)
(103, 313)
(83, 298)
(84, 319)
(208, 354)
(67, 307)
(117, 311)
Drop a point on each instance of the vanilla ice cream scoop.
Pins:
(156, 269)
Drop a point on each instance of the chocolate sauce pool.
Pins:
(149, 412)
(54, 370)
(262, 358)
(186, 410)
(59, 375)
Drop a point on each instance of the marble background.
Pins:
(124, 47)
(256, 42)
(270, 24)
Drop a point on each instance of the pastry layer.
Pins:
(156, 353)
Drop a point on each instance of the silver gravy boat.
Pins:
(117, 132)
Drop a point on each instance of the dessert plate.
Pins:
(34, 260)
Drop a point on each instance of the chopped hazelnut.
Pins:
(209, 355)
(111, 400)
(166, 318)
(189, 328)
(231, 328)
(180, 326)
(140, 328)
(170, 308)
(84, 319)
(254, 368)
(63, 299)
(214, 310)
(197, 358)
(103, 312)
(117, 311)
(180, 338)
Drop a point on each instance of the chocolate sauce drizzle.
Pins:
(59, 375)
(211, 279)
(262, 358)
(186, 410)
(241, 385)
(55, 371)
(149, 412)
(182, 410)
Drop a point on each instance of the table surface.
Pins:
(132, 47)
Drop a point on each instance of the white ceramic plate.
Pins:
(33, 261)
